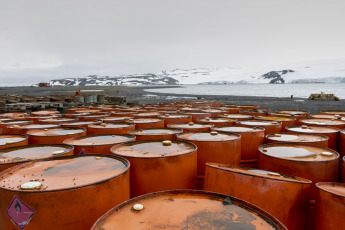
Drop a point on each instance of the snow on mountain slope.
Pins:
(332, 71)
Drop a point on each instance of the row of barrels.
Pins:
(211, 157)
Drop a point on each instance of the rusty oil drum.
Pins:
(158, 165)
(218, 121)
(8, 140)
(54, 136)
(116, 119)
(336, 123)
(331, 132)
(197, 115)
(285, 121)
(191, 127)
(5, 124)
(216, 147)
(155, 134)
(342, 155)
(238, 116)
(20, 154)
(143, 123)
(196, 210)
(79, 124)
(314, 163)
(97, 144)
(110, 128)
(64, 193)
(251, 139)
(298, 138)
(23, 129)
(283, 196)
(175, 118)
(330, 209)
(269, 126)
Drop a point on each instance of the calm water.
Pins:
(263, 90)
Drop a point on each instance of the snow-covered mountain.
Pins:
(332, 71)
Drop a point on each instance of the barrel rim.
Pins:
(335, 130)
(319, 186)
(254, 129)
(33, 132)
(326, 138)
(97, 144)
(133, 132)
(212, 141)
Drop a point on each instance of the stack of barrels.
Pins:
(131, 167)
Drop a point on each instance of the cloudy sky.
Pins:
(42, 39)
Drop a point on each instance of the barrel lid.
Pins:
(145, 120)
(186, 210)
(5, 120)
(120, 118)
(11, 139)
(325, 116)
(16, 122)
(56, 131)
(312, 129)
(319, 121)
(153, 149)
(259, 122)
(173, 115)
(13, 114)
(63, 173)
(275, 118)
(216, 119)
(101, 139)
(44, 112)
(32, 152)
(340, 112)
(148, 114)
(238, 116)
(259, 173)
(294, 112)
(332, 187)
(81, 122)
(239, 129)
(298, 152)
(190, 125)
(110, 125)
(212, 110)
(154, 131)
(296, 137)
(209, 136)
(87, 111)
(54, 120)
(35, 126)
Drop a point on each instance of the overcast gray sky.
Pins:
(73, 38)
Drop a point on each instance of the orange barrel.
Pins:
(13, 115)
(216, 147)
(248, 106)
(269, 126)
(158, 165)
(256, 112)
(334, 112)
(191, 127)
(147, 114)
(155, 134)
(23, 129)
(331, 132)
(143, 123)
(54, 136)
(217, 121)
(56, 120)
(92, 117)
(324, 122)
(343, 177)
(330, 209)
(44, 113)
(196, 116)
(97, 144)
(238, 116)
(342, 155)
(213, 112)
(251, 139)
(73, 110)
(69, 192)
(7, 141)
(116, 119)
(79, 124)
(297, 117)
(298, 138)
(325, 116)
(4, 124)
(234, 110)
(305, 114)
(110, 128)
(283, 196)
(286, 121)
(75, 115)
(186, 210)
(10, 157)
(311, 162)
(175, 118)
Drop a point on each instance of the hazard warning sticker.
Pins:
(82, 152)
(19, 213)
